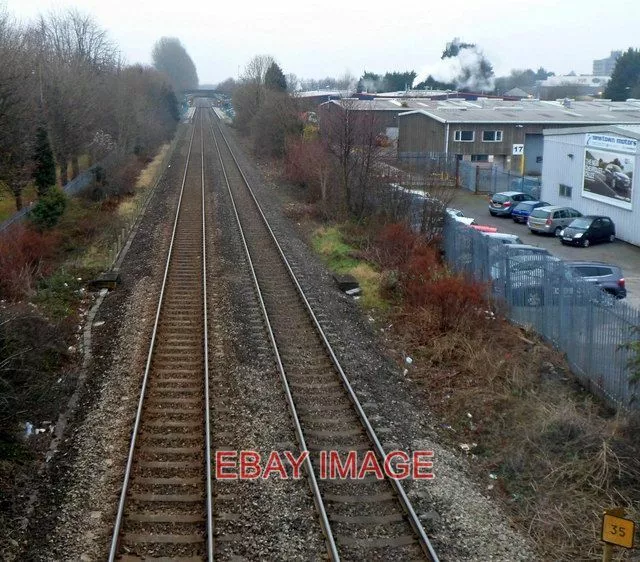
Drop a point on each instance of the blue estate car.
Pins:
(522, 210)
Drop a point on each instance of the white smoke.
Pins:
(464, 70)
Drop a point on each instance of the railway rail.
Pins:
(165, 507)
(361, 519)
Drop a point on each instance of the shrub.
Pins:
(25, 255)
(32, 350)
(48, 210)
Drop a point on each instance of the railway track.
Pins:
(362, 519)
(165, 506)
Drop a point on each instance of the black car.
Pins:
(607, 277)
(584, 231)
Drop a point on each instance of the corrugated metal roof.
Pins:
(631, 131)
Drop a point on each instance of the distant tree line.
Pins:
(264, 109)
(66, 93)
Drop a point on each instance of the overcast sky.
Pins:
(315, 39)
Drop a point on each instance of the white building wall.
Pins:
(559, 167)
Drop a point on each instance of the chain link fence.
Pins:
(538, 291)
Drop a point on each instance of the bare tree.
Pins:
(249, 96)
(351, 136)
(227, 87)
(171, 58)
(75, 60)
(18, 113)
(276, 120)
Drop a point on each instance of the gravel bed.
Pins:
(461, 520)
(75, 514)
(277, 519)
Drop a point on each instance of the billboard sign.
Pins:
(609, 162)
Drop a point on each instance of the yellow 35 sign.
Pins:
(616, 530)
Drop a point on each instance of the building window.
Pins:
(491, 136)
(564, 190)
(463, 136)
(479, 157)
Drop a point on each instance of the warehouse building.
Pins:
(501, 133)
(382, 113)
(593, 170)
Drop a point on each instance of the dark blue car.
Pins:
(522, 210)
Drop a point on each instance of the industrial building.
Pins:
(381, 113)
(604, 67)
(501, 133)
(593, 170)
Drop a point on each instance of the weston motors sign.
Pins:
(611, 142)
(608, 174)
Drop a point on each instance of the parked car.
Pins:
(522, 249)
(523, 279)
(502, 237)
(607, 277)
(584, 231)
(505, 253)
(458, 216)
(523, 210)
(502, 204)
(551, 219)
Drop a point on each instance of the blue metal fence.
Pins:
(492, 179)
(579, 319)
(478, 178)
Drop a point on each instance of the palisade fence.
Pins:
(473, 177)
(579, 319)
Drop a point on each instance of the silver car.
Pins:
(551, 219)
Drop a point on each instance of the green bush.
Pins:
(48, 209)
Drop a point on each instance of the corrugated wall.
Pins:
(560, 168)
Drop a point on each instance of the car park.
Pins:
(522, 210)
(502, 204)
(584, 231)
(607, 277)
(551, 219)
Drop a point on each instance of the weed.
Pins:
(559, 457)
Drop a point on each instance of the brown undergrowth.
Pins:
(544, 447)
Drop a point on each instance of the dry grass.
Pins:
(150, 173)
(559, 457)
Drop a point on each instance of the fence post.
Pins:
(588, 368)
(475, 187)
(457, 173)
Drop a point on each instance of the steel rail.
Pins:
(125, 485)
(313, 483)
(207, 421)
(414, 521)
